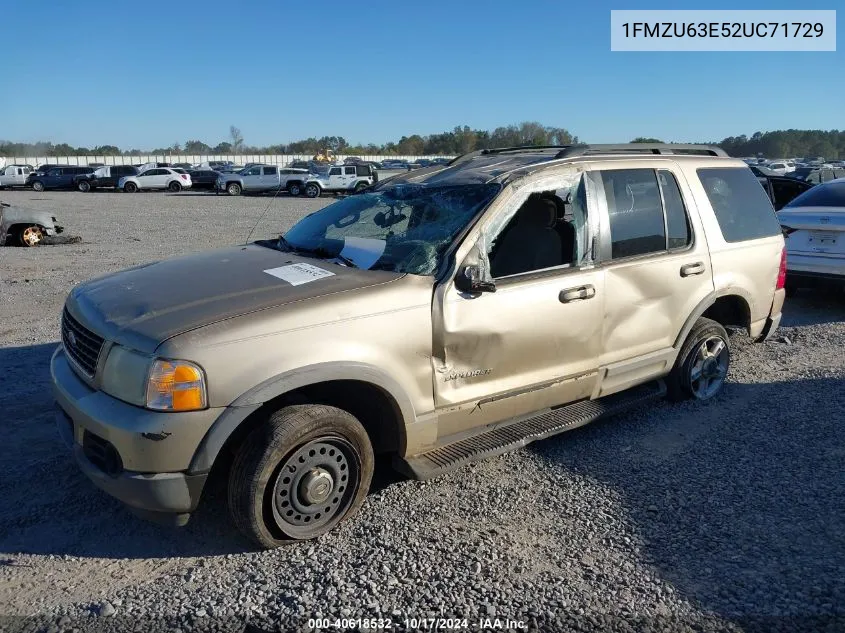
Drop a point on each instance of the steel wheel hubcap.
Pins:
(315, 485)
(709, 367)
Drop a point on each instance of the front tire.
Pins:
(130, 187)
(312, 190)
(38, 186)
(174, 187)
(297, 476)
(702, 365)
(30, 236)
(84, 186)
(233, 189)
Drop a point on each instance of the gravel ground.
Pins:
(724, 516)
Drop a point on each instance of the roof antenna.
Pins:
(263, 213)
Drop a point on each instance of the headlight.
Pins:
(175, 385)
(125, 375)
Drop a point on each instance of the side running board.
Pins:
(509, 436)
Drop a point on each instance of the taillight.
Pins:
(184, 176)
(782, 271)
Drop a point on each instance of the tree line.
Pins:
(779, 143)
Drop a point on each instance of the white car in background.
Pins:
(781, 167)
(167, 178)
(814, 227)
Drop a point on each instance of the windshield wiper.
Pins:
(319, 252)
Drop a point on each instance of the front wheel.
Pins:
(84, 186)
(300, 474)
(312, 190)
(31, 236)
(702, 365)
(234, 189)
(130, 187)
(174, 187)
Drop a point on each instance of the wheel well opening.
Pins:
(730, 311)
(373, 407)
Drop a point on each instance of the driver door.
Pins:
(533, 343)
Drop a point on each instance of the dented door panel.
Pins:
(517, 350)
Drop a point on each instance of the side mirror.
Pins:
(469, 280)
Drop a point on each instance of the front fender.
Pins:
(252, 400)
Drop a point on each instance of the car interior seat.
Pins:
(531, 242)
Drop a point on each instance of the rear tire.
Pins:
(84, 186)
(174, 187)
(297, 476)
(361, 186)
(233, 189)
(702, 365)
(295, 189)
(130, 187)
(38, 186)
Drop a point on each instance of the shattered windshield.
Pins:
(405, 229)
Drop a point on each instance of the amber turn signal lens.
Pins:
(175, 385)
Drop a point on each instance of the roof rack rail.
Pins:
(502, 150)
(642, 148)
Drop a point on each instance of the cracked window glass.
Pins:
(406, 228)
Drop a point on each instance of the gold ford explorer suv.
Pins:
(449, 314)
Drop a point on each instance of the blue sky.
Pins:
(150, 74)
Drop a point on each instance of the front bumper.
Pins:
(153, 450)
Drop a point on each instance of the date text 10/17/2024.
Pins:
(422, 624)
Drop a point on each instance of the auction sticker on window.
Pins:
(298, 274)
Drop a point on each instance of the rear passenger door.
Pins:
(657, 266)
(270, 177)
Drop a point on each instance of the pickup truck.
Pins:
(14, 176)
(259, 178)
(341, 179)
(104, 177)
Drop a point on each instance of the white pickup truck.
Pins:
(341, 178)
(14, 175)
(260, 178)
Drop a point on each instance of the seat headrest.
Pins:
(539, 212)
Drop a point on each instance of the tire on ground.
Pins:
(257, 468)
(679, 381)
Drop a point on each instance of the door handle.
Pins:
(577, 294)
(688, 270)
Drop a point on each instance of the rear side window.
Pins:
(636, 214)
(269, 171)
(832, 195)
(742, 208)
(678, 234)
(349, 171)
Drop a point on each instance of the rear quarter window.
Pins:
(741, 206)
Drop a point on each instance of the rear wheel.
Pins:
(295, 189)
(361, 186)
(233, 189)
(38, 185)
(30, 236)
(130, 187)
(312, 190)
(174, 187)
(702, 365)
(84, 186)
(300, 474)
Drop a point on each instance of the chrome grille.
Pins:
(81, 344)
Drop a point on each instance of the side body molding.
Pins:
(250, 401)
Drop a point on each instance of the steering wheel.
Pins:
(420, 256)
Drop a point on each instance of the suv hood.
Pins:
(143, 306)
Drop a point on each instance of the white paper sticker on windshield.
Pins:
(298, 274)
(363, 251)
